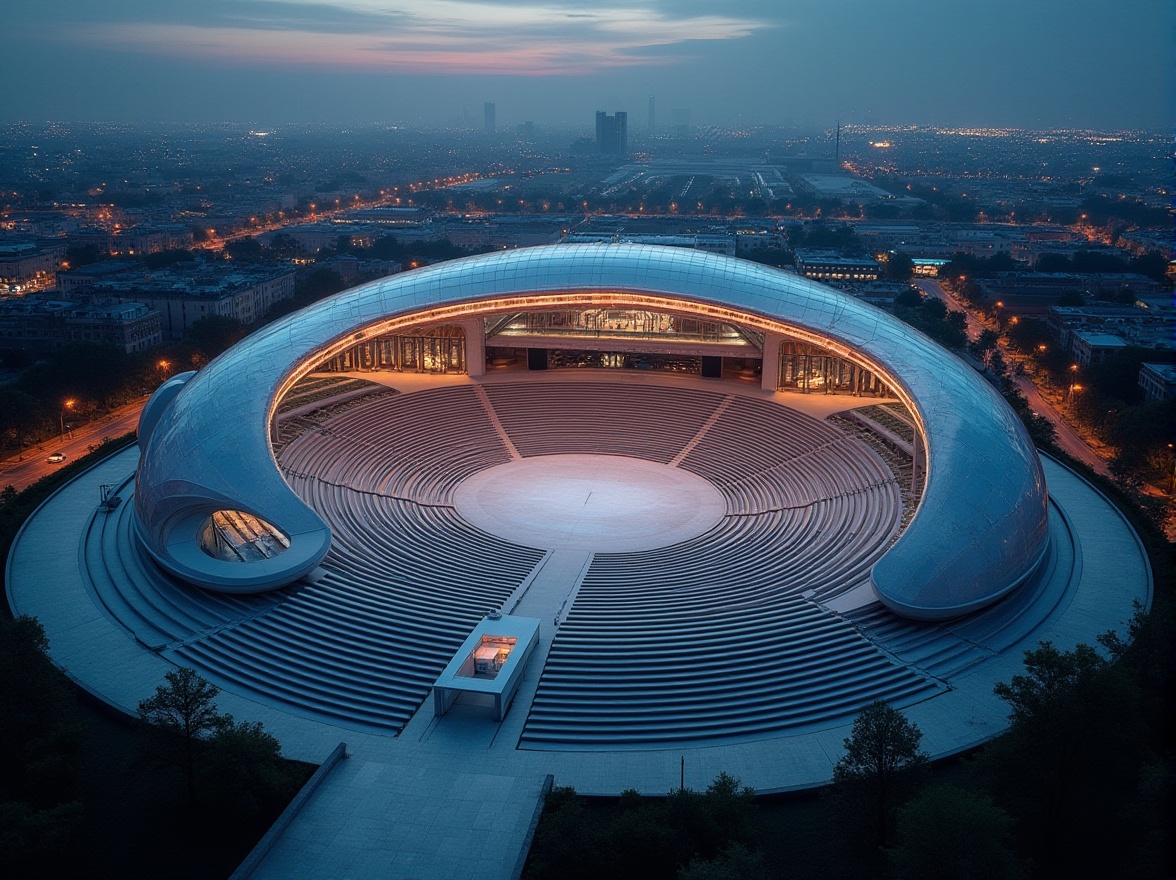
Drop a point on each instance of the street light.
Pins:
(163, 366)
(69, 404)
(1074, 386)
(1172, 472)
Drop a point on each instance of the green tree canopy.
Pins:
(1067, 766)
(215, 333)
(180, 715)
(951, 833)
(882, 755)
(244, 777)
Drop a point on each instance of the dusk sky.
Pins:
(1024, 63)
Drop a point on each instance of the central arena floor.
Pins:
(597, 503)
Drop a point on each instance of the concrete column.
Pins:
(475, 345)
(770, 373)
(916, 448)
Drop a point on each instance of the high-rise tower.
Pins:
(612, 133)
(488, 117)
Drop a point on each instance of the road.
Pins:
(1066, 437)
(23, 470)
(935, 289)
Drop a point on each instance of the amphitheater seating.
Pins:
(155, 608)
(605, 418)
(417, 446)
(705, 675)
(716, 637)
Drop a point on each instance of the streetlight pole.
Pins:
(67, 405)
(1172, 472)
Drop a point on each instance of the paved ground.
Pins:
(599, 503)
(453, 796)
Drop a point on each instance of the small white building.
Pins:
(1089, 347)
(1158, 381)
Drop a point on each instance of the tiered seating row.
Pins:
(403, 587)
(417, 446)
(715, 637)
(640, 421)
(735, 673)
(291, 428)
(818, 549)
(155, 607)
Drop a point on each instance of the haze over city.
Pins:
(531, 439)
(1085, 64)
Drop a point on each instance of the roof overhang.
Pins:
(980, 530)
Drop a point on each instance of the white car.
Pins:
(56, 458)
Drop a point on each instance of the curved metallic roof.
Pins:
(980, 530)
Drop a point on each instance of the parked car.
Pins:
(56, 457)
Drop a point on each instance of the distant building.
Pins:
(1158, 381)
(879, 293)
(311, 238)
(825, 265)
(140, 240)
(1088, 347)
(84, 277)
(488, 121)
(184, 296)
(28, 266)
(41, 324)
(712, 243)
(1146, 328)
(612, 133)
(651, 122)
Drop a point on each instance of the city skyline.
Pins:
(1085, 64)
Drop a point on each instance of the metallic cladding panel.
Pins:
(980, 530)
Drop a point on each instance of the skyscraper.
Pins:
(488, 116)
(652, 121)
(612, 133)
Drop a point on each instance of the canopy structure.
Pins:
(980, 530)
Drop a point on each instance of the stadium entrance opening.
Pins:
(811, 369)
(439, 349)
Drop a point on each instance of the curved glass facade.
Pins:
(980, 530)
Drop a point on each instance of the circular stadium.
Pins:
(735, 505)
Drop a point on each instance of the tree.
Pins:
(215, 333)
(180, 716)
(243, 249)
(985, 343)
(163, 259)
(567, 844)
(951, 833)
(881, 757)
(736, 862)
(244, 776)
(1067, 767)
(899, 266)
(40, 744)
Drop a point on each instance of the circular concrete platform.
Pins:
(596, 503)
